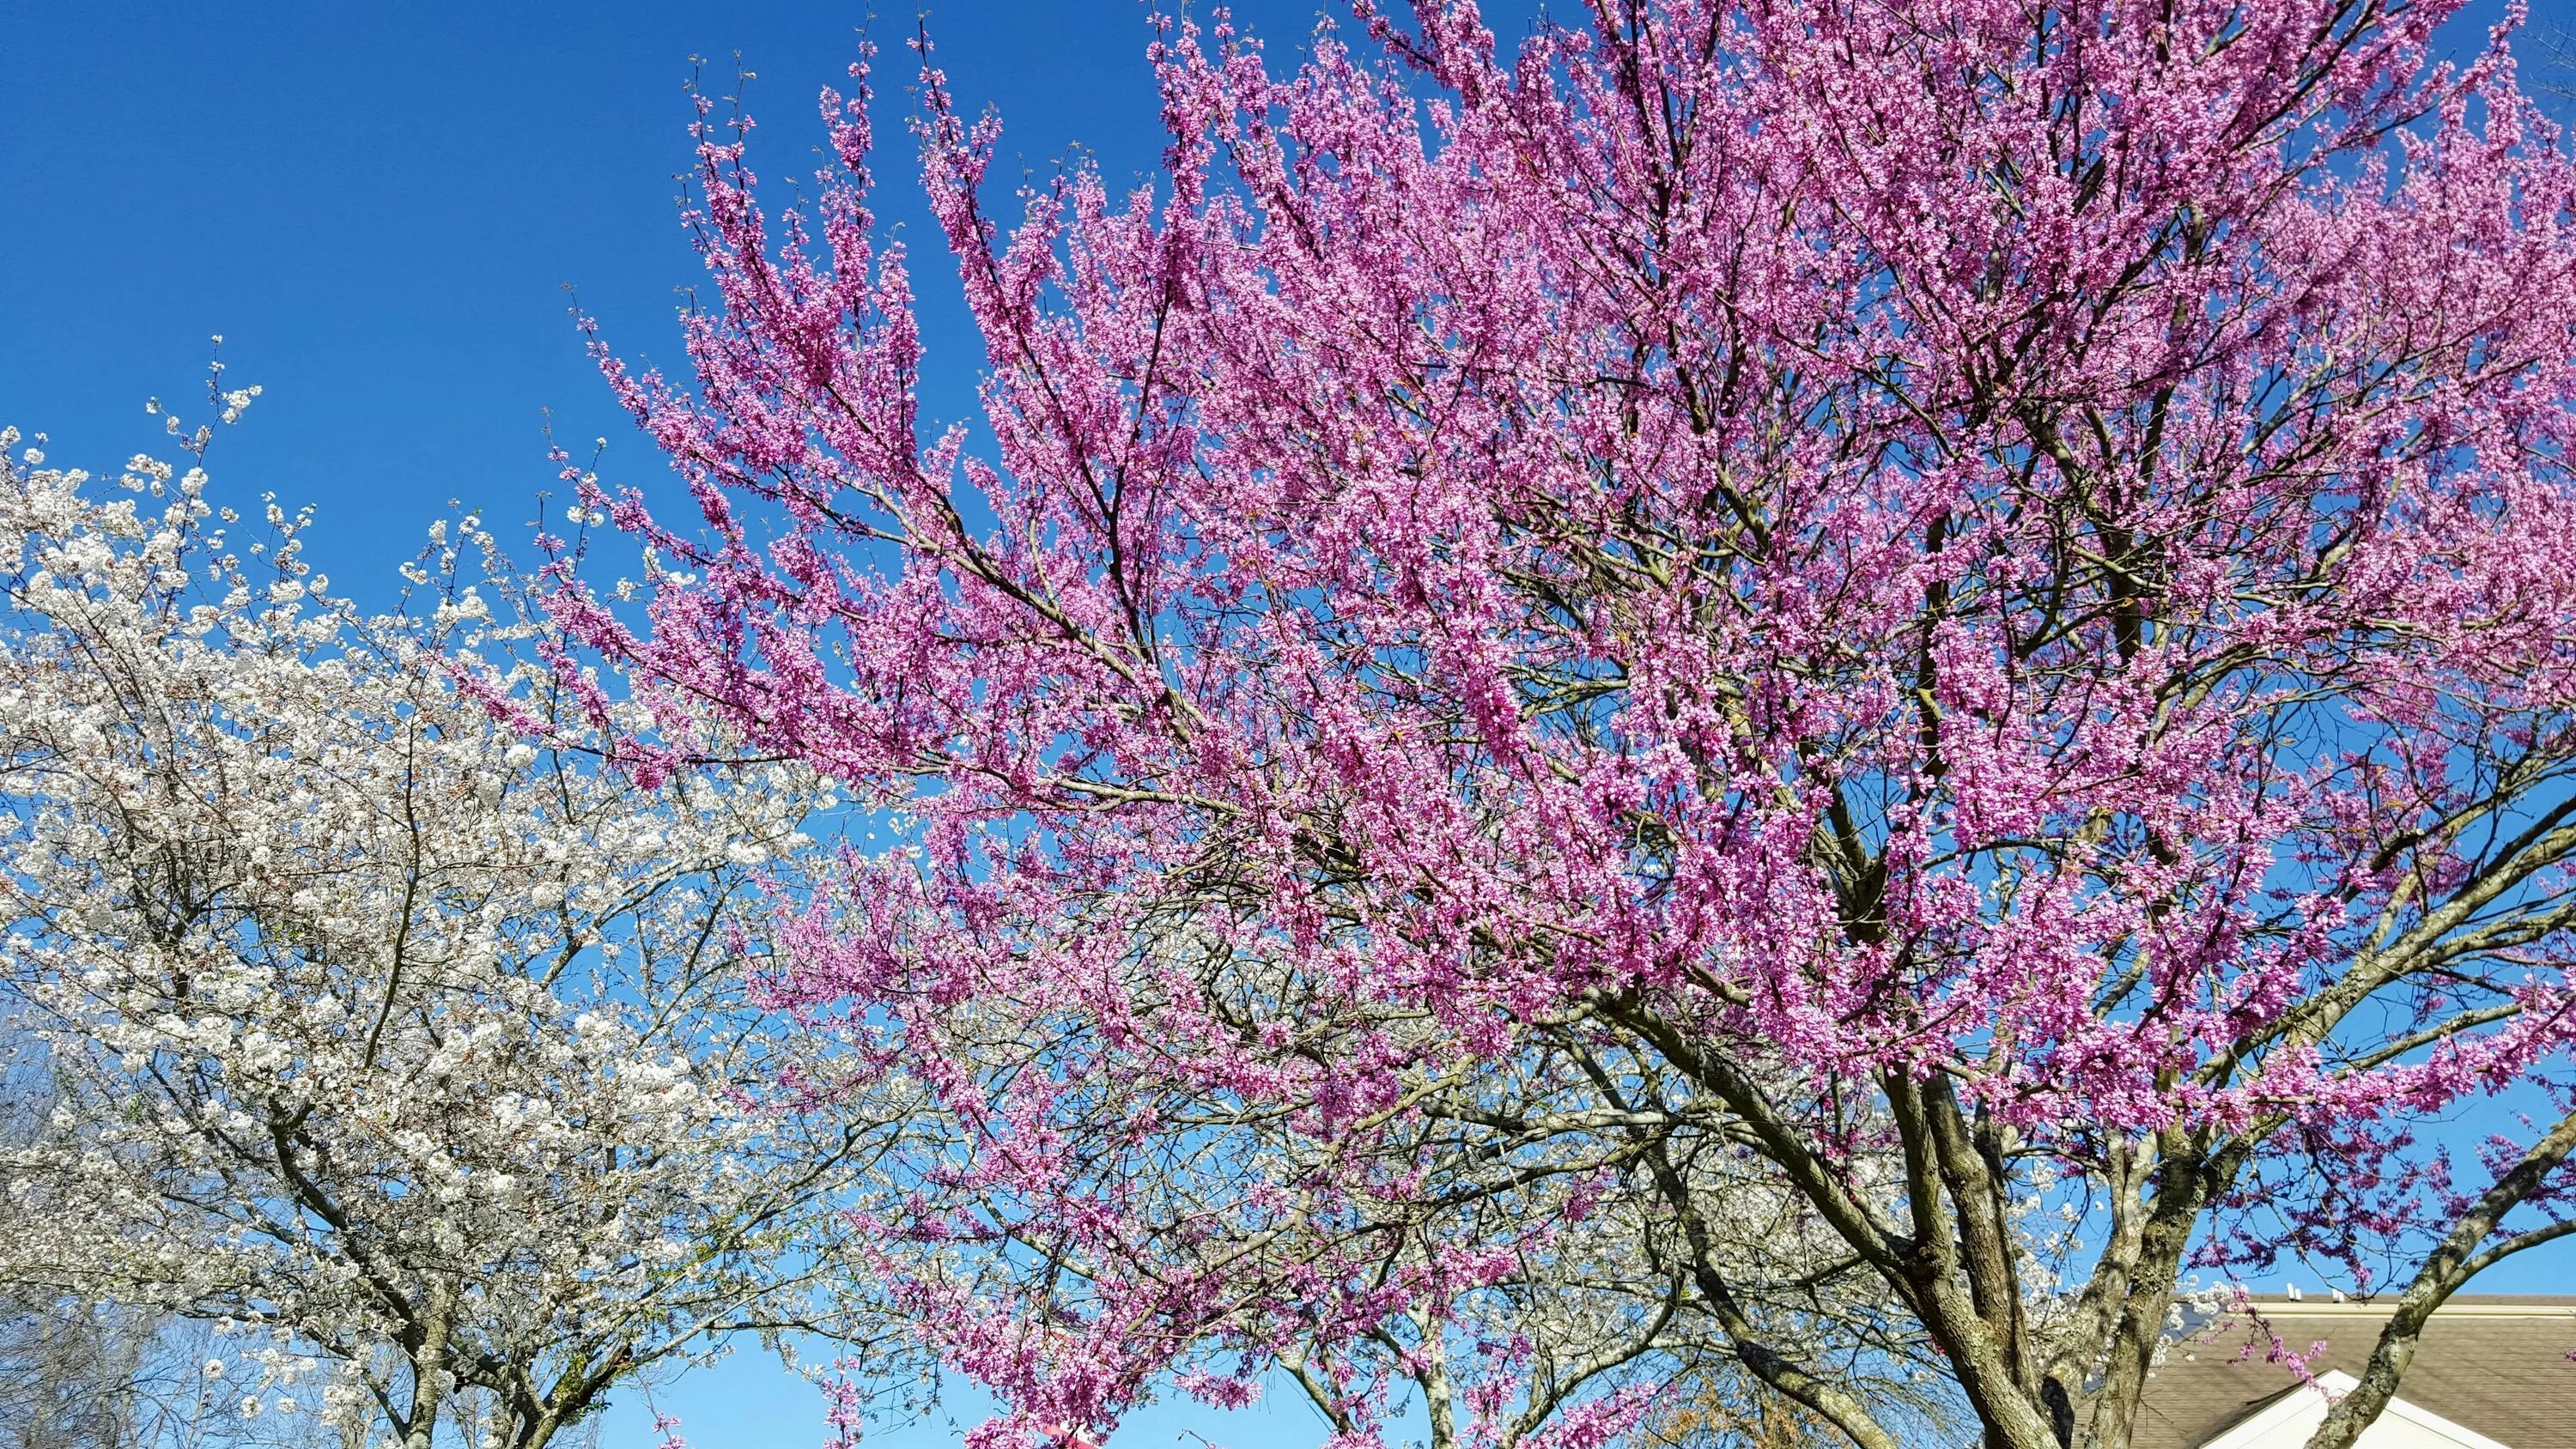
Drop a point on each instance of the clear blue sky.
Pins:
(380, 206)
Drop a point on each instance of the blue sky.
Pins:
(381, 207)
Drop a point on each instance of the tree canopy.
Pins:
(1778, 694)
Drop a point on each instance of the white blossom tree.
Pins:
(387, 1026)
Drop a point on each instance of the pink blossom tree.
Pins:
(1766, 695)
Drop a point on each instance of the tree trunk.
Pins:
(429, 1365)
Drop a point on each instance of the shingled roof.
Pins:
(2497, 1365)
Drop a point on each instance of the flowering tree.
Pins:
(1932, 632)
(416, 1051)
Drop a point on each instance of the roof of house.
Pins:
(2497, 1365)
